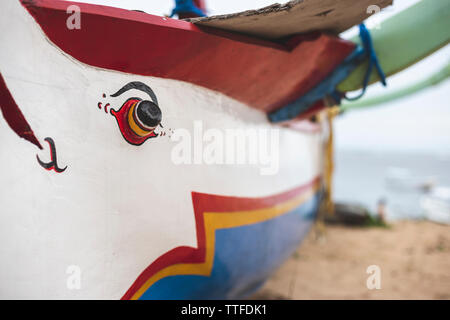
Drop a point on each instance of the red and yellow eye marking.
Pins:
(134, 122)
(129, 126)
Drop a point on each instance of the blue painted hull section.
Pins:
(244, 258)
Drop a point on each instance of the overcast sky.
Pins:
(419, 123)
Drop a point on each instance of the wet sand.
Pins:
(413, 256)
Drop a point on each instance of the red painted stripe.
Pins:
(264, 75)
(14, 116)
(210, 203)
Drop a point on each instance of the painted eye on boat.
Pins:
(142, 118)
(137, 118)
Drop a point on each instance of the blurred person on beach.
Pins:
(381, 210)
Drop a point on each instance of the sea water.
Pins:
(400, 179)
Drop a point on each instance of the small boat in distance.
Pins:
(401, 179)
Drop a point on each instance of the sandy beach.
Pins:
(413, 256)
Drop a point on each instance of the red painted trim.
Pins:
(264, 75)
(13, 116)
(210, 203)
(305, 126)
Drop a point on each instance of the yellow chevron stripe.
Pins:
(214, 221)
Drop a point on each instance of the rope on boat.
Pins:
(329, 161)
(328, 86)
(326, 207)
(186, 6)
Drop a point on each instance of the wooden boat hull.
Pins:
(93, 210)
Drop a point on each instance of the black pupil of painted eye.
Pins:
(149, 113)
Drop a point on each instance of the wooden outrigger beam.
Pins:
(405, 39)
(430, 81)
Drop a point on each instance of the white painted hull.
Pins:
(117, 207)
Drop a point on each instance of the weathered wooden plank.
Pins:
(295, 17)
